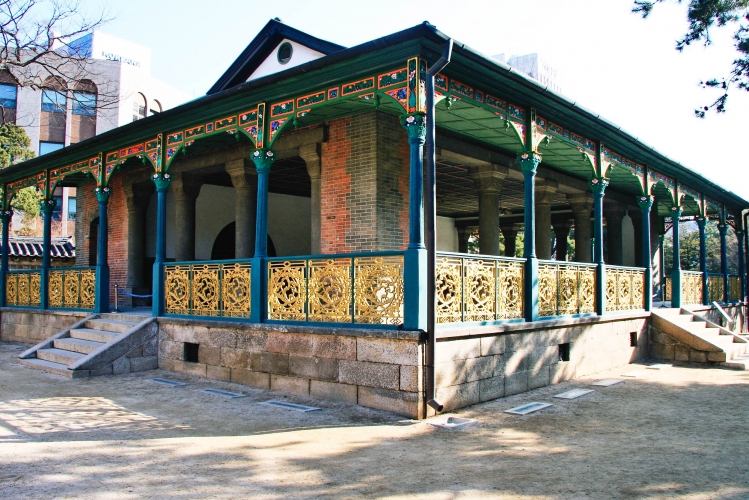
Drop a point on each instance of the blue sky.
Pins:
(608, 60)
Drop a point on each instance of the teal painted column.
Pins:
(723, 229)
(263, 160)
(5, 217)
(701, 224)
(598, 186)
(529, 164)
(47, 208)
(740, 238)
(415, 260)
(676, 273)
(102, 253)
(662, 267)
(162, 182)
(646, 204)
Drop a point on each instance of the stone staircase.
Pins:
(102, 344)
(721, 345)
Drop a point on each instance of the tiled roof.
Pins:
(31, 246)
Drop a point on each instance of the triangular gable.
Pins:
(260, 58)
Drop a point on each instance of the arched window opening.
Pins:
(155, 107)
(53, 115)
(139, 106)
(8, 97)
(83, 124)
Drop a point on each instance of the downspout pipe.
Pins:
(431, 232)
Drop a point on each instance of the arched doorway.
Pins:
(93, 241)
(225, 244)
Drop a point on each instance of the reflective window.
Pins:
(48, 147)
(139, 107)
(53, 101)
(84, 103)
(71, 208)
(8, 96)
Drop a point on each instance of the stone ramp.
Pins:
(720, 345)
(101, 344)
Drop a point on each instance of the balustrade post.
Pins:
(646, 204)
(676, 273)
(662, 266)
(529, 164)
(102, 253)
(47, 207)
(740, 238)
(701, 224)
(161, 181)
(723, 229)
(5, 217)
(415, 258)
(598, 186)
(263, 160)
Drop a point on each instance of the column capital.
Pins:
(598, 185)
(47, 206)
(676, 211)
(723, 229)
(6, 215)
(102, 194)
(488, 178)
(529, 162)
(161, 181)
(701, 221)
(137, 197)
(545, 191)
(263, 159)
(185, 187)
(416, 127)
(310, 153)
(580, 202)
(645, 203)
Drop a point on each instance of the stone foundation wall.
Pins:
(482, 365)
(31, 326)
(377, 369)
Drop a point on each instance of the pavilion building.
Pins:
(278, 224)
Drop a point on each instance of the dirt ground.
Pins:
(673, 433)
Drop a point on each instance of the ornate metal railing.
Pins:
(359, 289)
(668, 286)
(72, 287)
(715, 287)
(23, 288)
(212, 288)
(625, 288)
(734, 288)
(566, 288)
(478, 288)
(691, 287)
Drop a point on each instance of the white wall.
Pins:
(299, 55)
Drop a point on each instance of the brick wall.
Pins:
(364, 205)
(87, 210)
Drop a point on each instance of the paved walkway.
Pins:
(672, 433)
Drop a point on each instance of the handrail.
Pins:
(567, 263)
(384, 253)
(480, 256)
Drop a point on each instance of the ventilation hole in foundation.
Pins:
(633, 339)
(564, 352)
(191, 352)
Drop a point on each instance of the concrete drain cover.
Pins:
(453, 423)
(166, 381)
(528, 408)
(289, 406)
(226, 394)
(574, 393)
(659, 366)
(608, 382)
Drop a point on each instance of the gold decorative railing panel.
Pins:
(566, 288)
(667, 289)
(340, 289)
(691, 287)
(23, 288)
(734, 289)
(715, 288)
(625, 288)
(72, 288)
(208, 289)
(478, 289)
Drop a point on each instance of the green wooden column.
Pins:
(646, 204)
(5, 217)
(740, 238)
(676, 273)
(102, 253)
(662, 267)
(263, 159)
(415, 261)
(162, 182)
(701, 224)
(47, 207)
(598, 186)
(723, 229)
(529, 164)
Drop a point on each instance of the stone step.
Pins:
(115, 326)
(93, 335)
(130, 318)
(738, 363)
(52, 367)
(59, 356)
(76, 345)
